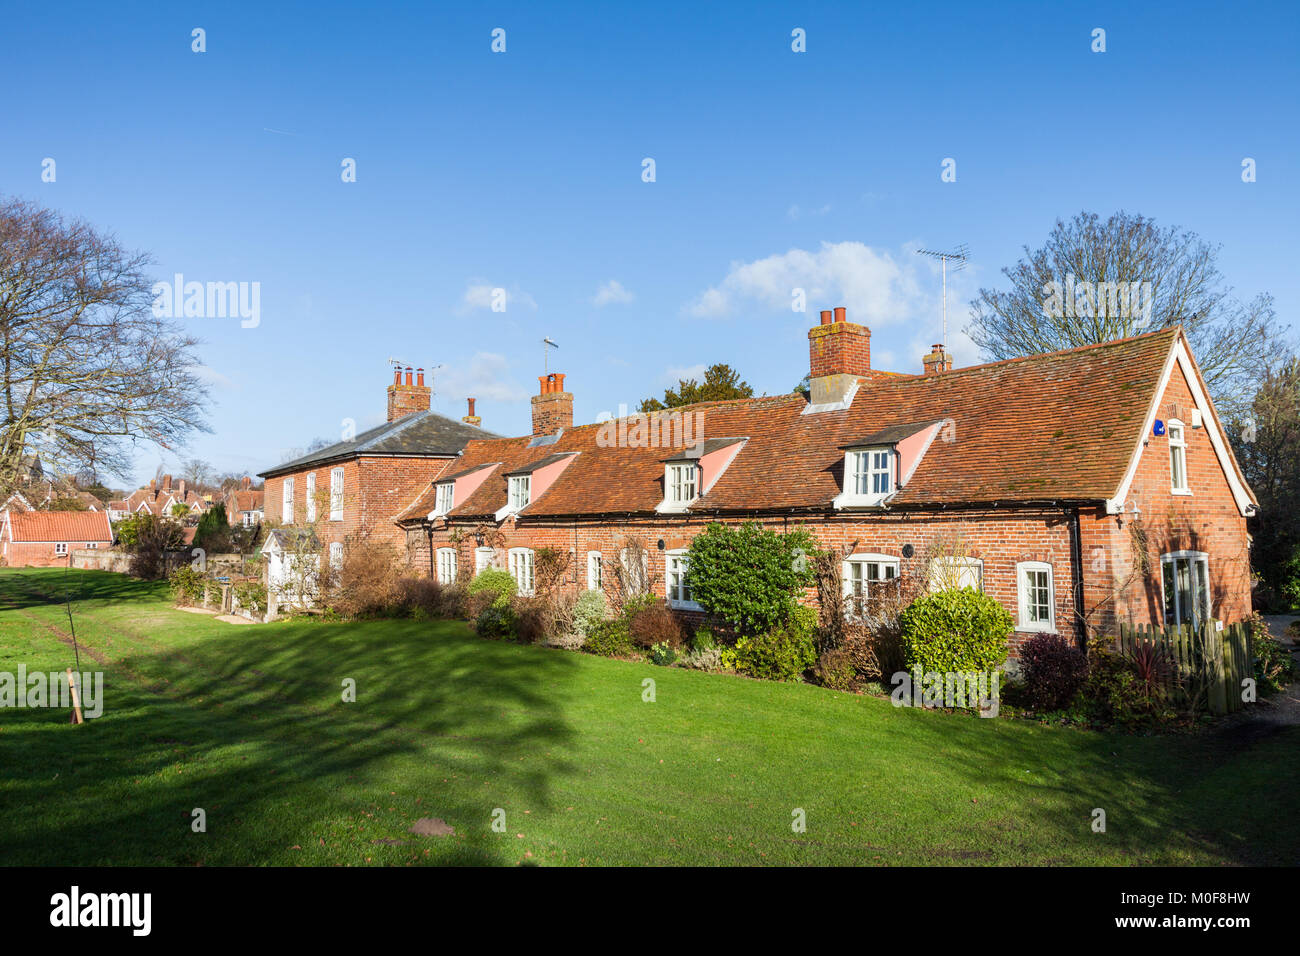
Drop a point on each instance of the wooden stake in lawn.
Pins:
(76, 699)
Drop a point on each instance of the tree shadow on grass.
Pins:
(252, 728)
(1168, 798)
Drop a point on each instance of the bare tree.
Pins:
(1095, 281)
(198, 474)
(87, 369)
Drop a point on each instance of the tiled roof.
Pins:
(1061, 426)
(69, 526)
(423, 433)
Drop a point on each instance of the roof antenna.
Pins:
(546, 345)
(959, 256)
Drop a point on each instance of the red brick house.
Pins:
(245, 505)
(1085, 487)
(159, 498)
(42, 539)
(355, 487)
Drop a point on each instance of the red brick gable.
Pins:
(1055, 427)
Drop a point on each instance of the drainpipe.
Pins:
(1076, 573)
(428, 530)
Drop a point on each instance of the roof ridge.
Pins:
(1171, 330)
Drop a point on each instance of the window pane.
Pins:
(1171, 603)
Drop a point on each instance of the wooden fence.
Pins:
(1211, 663)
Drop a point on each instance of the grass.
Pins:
(248, 723)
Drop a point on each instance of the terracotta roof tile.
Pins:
(69, 526)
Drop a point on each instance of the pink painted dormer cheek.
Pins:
(466, 485)
(543, 477)
(911, 448)
(715, 463)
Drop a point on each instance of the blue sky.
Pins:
(522, 170)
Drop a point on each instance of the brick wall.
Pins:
(375, 489)
(1116, 588)
(839, 348)
(999, 539)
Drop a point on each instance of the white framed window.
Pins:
(336, 494)
(948, 573)
(310, 504)
(521, 569)
(1178, 457)
(866, 576)
(1185, 577)
(286, 505)
(92, 545)
(595, 571)
(444, 495)
(1036, 596)
(483, 558)
(61, 548)
(681, 482)
(869, 473)
(676, 564)
(520, 490)
(446, 565)
(336, 556)
(248, 519)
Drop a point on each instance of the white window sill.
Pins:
(683, 605)
(859, 501)
(1037, 629)
(1181, 491)
(675, 507)
(507, 511)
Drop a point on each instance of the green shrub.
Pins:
(1273, 665)
(609, 639)
(785, 653)
(213, 531)
(251, 595)
(955, 631)
(703, 640)
(1114, 692)
(187, 585)
(749, 576)
(835, 669)
(663, 654)
(590, 610)
(499, 584)
(496, 621)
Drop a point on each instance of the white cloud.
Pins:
(797, 212)
(682, 373)
(878, 287)
(485, 376)
(483, 295)
(612, 292)
(210, 376)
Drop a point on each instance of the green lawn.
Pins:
(248, 724)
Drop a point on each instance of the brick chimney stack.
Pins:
(937, 361)
(167, 484)
(839, 353)
(246, 482)
(471, 418)
(552, 406)
(409, 397)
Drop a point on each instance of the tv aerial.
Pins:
(960, 257)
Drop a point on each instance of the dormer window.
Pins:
(681, 483)
(520, 490)
(446, 494)
(868, 474)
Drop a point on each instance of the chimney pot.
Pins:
(408, 376)
(419, 377)
(826, 316)
(840, 313)
(397, 375)
(471, 407)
